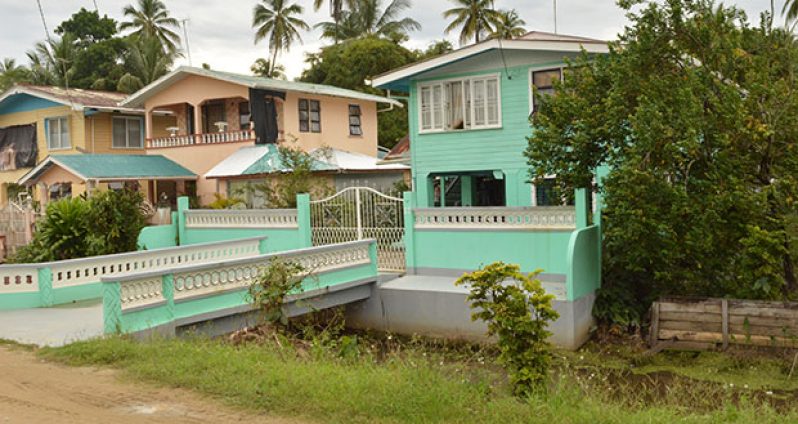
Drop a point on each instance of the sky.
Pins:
(220, 31)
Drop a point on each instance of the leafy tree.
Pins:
(279, 23)
(11, 73)
(263, 68)
(437, 48)
(88, 27)
(351, 63)
(508, 25)
(53, 61)
(474, 18)
(63, 234)
(152, 19)
(115, 219)
(695, 115)
(367, 18)
(145, 62)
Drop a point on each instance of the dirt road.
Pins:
(33, 391)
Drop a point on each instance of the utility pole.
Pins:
(555, 16)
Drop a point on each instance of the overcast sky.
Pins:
(221, 35)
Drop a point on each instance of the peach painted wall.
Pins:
(334, 124)
(199, 159)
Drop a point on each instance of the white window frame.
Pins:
(127, 120)
(48, 123)
(532, 81)
(466, 82)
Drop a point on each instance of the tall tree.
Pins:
(11, 73)
(790, 10)
(474, 18)
(152, 19)
(508, 25)
(279, 23)
(337, 8)
(368, 18)
(694, 114)
(54, 60)
(145, 62)
(98, 50)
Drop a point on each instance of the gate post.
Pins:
(182, 207)
(303, 220)
(410, 236)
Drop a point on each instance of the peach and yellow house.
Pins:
(200, 118)
(42, 126)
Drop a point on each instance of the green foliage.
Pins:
(365, 18)
(278, 23)
(151, 19)
(349, 64)
(475, 18)
(222, 202)
(507, 24)
(263, 68)
(108, 222)
(270, 289)
(145, 60)
(115, 220)
(88, 27)
(11, 73)
(517, 310)
(693, 113)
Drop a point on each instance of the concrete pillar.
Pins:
(197, 120)
(148, 123)
(582, 203)
(410, 236)
(182, 207)
(3, 194)
(303, 220)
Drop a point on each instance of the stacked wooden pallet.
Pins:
(706, 323)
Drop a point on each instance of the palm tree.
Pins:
(152, 19)
(367, 18)
(790, 10)
(508, 25)
(336, 9)
(11, 73)
(146, 61)
(51, 61)
(474, 17)
(263, 68)
(279, 23)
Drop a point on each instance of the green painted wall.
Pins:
(77, 293)
(158, 236)
(469, 250)
(584, 262)
(278, 239)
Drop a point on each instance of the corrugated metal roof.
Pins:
(550, 36)
(110, 167)
(85, 98)
(137, 99)
(265, 159)
(400, 152)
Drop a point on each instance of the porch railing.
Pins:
(496, 218)
(206, 138)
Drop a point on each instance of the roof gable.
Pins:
(137, 99)
(23, 102)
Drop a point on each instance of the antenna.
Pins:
(555, 16)
(96, 9)
(185, 38)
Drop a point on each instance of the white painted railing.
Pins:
(497, 218)
(206, 138)
(19, 278)
(144, 289)
(87, 270)
(248, 218)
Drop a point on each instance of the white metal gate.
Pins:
(358, 213)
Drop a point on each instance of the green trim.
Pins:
(112, 308)
(77, 293)
(410, 234)
(303, 219)
(9, 301)
(46, 287)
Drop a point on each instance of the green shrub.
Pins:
(63, 234)
(274, 283)
(116, 220)
(517, 310)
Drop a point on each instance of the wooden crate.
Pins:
(708, 323)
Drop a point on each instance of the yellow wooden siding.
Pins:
(99, 135)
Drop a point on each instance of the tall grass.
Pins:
(410, 387)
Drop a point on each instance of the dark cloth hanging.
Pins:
(18, 147)
(264, 114)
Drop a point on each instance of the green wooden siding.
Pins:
(479, 150)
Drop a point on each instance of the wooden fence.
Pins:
(690, 323)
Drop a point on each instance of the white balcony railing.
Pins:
(497, 218)
(206, 138)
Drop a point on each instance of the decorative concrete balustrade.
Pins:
(497, 218)
(205, 138)
(249, 218)
(147, 300)
(52, 283)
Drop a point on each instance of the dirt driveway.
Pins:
(33, 391)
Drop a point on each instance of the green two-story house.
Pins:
(469, 117)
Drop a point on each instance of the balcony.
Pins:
(206, 138)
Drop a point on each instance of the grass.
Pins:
(414, 382)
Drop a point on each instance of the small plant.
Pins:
(517, 310)
(222, 202)
(274, 283)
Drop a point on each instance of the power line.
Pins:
(555, 16)
(44, 22)
(52, 53)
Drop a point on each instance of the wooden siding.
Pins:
(99, 135)
(479, 150)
